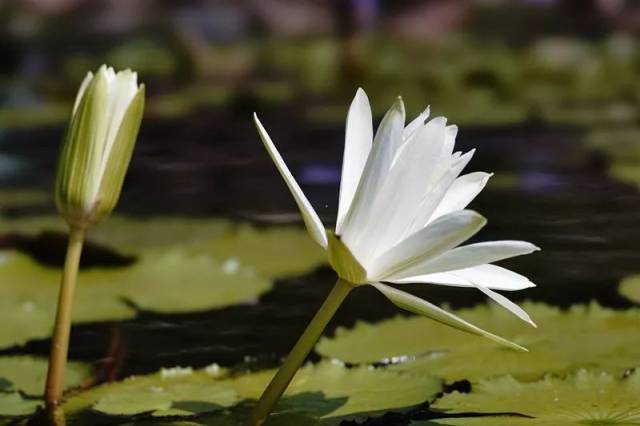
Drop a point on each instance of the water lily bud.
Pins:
(98, 145)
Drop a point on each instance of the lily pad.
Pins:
(22, 380)
(583, 336)
(630, 288)
(170, 281)
(274, 251)
(585, 398)
(326, 393)
(28, 374)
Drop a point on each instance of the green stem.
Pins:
(60, 342)
(299, 353)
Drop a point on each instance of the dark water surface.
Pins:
(548, 189)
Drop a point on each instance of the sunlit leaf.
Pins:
(170, 281)
(326, 393)
(585, 398)
(583, 336)
(22, 380)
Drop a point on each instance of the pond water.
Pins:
(549, 188)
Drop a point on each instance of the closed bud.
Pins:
(98, 145)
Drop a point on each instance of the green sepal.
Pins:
(344, 262)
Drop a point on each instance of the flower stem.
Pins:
(62, 329)
(299, 353)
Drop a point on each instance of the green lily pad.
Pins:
(346, 393)
(22, 380)
(583, 336)
(13, 404)
(630, 288)
(326, 393)
(170, 281)
(585, 398)
(274, 252)
(28, 374)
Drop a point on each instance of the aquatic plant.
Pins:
(401, 216)
(95, 156)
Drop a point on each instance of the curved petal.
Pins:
(507, 304)
(440, 236)
(419, 306)
(489, 276)
(357, 144)
(311, 219)
(461, 193)
(470, 255)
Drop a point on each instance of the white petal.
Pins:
(461, 193)
(450, 139)
(311, 219)
(416, 124)
(507, 304)
(419, 306)
(437, 190)
(489, 276)
(357, 144)
(470, 255)
(376, 169)
(81, 90)
(440, 236)
(411, 172)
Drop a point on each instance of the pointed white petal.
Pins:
(419, 306)
(440, 236)
(416, 124)
(461, 193)
(507, 304)
(357, 144)
(81, 90)
(470, 255)
(450, 139)
(437, 190)
(489, 276)
(375, 172)
(412, 171)
(311, 219)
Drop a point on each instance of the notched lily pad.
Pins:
(583, 336)
(326, 393)
(585, 398)
(171, 281)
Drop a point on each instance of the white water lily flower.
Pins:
(401, 214)
(98, 146)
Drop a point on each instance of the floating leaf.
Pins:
(630, 288)
(583, 336)
(181, 395)
(13, 404)
(28, 374)
(170, 281)
(326, 393)
(22, 380)
(585, 398)
(333, 392)
(274, 252)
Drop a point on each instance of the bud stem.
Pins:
(60, 342)
(299, 353)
